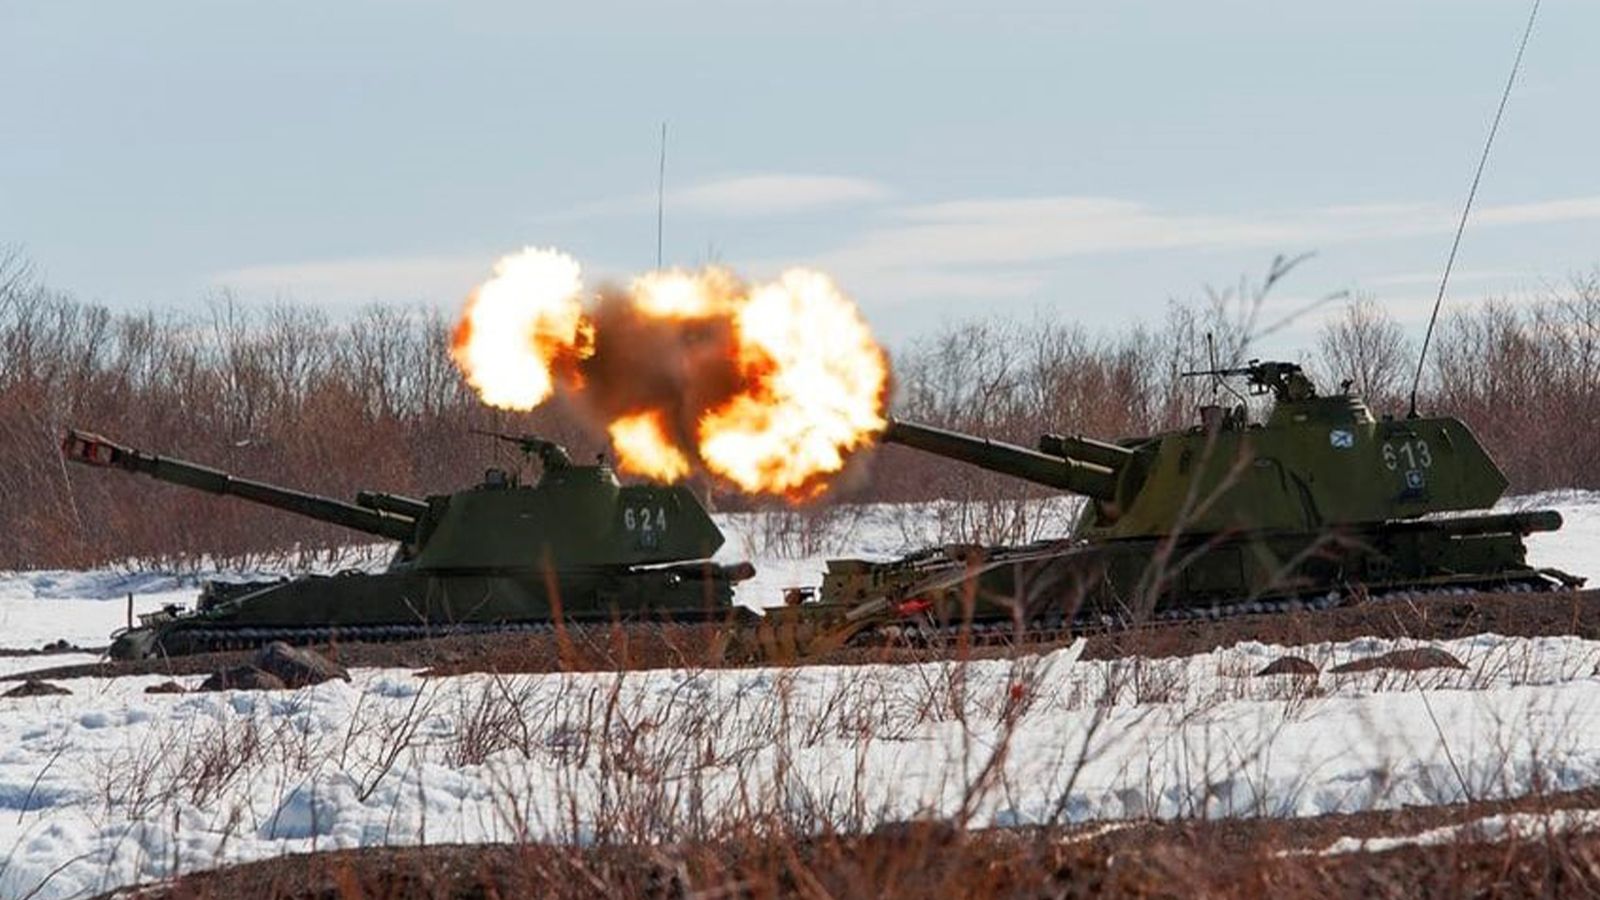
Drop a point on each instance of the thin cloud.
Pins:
(769, 195)
(984, 248)
(1575, 209)
(1404, 279)
(363, 280)
(977, 232)
(1370, 210)
(999, 235)
(739, 197)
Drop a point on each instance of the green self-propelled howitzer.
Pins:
(576, 545)
(1318, 502)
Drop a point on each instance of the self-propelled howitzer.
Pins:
(1318, 500)
(576, 545)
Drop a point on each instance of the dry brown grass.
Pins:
(1213, 860)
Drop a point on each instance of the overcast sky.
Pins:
(942, 160)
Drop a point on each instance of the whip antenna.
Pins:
(661, 190)
(1461, 227)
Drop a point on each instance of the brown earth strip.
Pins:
(1222, 859)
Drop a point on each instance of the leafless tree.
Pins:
(332, 404)
(1366, 345)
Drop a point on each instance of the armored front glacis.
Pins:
(1319, 499)
(577, 545)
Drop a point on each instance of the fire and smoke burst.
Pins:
(519, 326)
(767, 386)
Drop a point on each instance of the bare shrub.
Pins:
(1367, 346)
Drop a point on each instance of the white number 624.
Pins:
(644, 518)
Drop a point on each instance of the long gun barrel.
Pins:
(1063, 472)
(94, 450)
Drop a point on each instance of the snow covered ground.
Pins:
(39, 607)
(788, 549)
(111, 785)
(1576, 547)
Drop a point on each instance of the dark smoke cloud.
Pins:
(681, 367)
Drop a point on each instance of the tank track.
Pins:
(913, 631)
(1004, 631)
(185, 641)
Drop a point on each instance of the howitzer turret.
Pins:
(1314, 463)
(1318, 497)
(576, 545)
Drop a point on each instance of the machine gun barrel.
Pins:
(550, 454)
(94, 450)
(1225, 372)
(1065, 473)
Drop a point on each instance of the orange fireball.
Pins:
(679, 294)
(816, 383)
(769, 387)
(518, 324)
(643, 446)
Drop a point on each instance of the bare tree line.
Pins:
(289, 394)
(282, 393)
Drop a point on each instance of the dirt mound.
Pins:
(242, 678)
(1222, 859)
(298, 667)
(1289, 665)
(1413, 660)
(32, 688)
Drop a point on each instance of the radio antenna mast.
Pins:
(661, 191)
(1461, 227)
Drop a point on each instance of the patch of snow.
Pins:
(1575, 548)
(1503, 826)
(28, 662)
(109, 785)
(41, 606)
